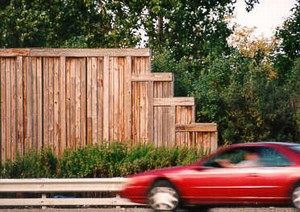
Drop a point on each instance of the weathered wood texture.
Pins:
(66, 98)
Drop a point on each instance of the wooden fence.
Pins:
(62, 98)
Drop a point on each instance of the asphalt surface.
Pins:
(113, 209)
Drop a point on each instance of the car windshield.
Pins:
(296, 147)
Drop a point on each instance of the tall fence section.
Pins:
(66, 98)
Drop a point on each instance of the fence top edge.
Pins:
(75, 52)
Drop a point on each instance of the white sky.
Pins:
(265, 16)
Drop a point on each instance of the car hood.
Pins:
(164, 171)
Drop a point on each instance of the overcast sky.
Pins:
(266, 15)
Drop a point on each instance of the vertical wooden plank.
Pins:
(116, 99)
(165, 127)
(8, 107)
(111, 98)
(73, 98)
(68, 102)
(149, 115)
(91, 73)
(172, 127)
(142, 112)
(159, 126)
(200, 144)
(206, 140)
(83, 101)
(204, 144)
(178, 121)
(20, 132)
(25, 108)
(62, 100)
(106, 99)
(147, 65)
(4, 122)
(77, 102)
(51, 103)
(135, 109)
(155, 126)
(160, 119)
(127, 99)
(145, 100)
(94, 101)
(149, 103)
(121, 97)
(56, 106)
(142, 103)
(46, 101)
(100, 100)
(34, 102)
(138, 108)
(132, 109)
(27, 94)
(13, 142)
(38, 104)
(214, 141)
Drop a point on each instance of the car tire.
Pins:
(163, 196)
(296, 196)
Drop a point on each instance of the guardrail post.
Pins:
(44, 196)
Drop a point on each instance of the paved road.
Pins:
(236, 209)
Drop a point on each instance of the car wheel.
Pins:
(163, 196)
(296, 197)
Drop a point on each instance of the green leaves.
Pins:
(108, 160)
(32, 165)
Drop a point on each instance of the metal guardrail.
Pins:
(44, 186)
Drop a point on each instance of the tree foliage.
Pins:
(290, 34)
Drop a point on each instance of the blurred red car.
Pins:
(206, 182)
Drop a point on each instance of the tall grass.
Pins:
(117, 159)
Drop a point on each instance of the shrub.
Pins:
(117, 159)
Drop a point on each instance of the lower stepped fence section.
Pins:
(66, 98)
(199, 135)
(62, 192)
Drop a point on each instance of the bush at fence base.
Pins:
(119, 159)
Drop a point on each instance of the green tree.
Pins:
(290, 34)
(29, 23)
(289, 50)
(286, 61)
(63, 23)
(185, 28)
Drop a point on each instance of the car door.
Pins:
(223, 185)
(272, 179)
(214, 184)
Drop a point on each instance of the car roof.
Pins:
(280, 143)
(260, 143)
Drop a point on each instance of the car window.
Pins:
(268, 157)
(296, 148)
(235, 156)
(272, 158)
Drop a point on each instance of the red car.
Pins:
(276, 181)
